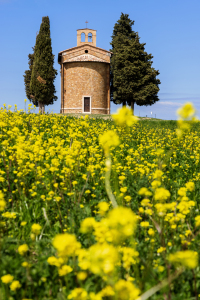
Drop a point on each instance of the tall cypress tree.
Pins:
(133, 79)
(43, 73)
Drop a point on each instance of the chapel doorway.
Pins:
(86, 104)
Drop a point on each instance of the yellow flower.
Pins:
(141, 210)
(2, 205)
(82, 275)
(124, 117)
(123, 189)
(127, 198)
(25, 264)
(151, 232)
(107, 291)
(188, 258)
(36, 229)
(64, 270)
(23, 249)
(122, 223)
(108, 139)
(190, 186)
(155, 184)
(53, 261)
(197, 221)
(157, 174)
(23, 223)
(78, 294)
(129, 257)
(144, 192)
(32, 235)
(144, 224)
(15, 285)
(125, 290)
(182, 191)
(87, 192)
(87, 225)
(161, 269)
(9, 215)
(7, 278)
(2, 201)
(66, 244)
(100, 259)
(161, 194)
(186, 111)
(103, 208)
(43, 279)
(161, 249)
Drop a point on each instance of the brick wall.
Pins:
(86, 78)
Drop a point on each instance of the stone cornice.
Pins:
(84, 57)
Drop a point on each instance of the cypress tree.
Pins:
(43, 73)
(27, 78)
(133, 79)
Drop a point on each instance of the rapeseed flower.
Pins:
(2, 205)
(124, 117)
(7, 278)
(15, 285)
(23, 249)
(186, 111)
(161, 194)
(108, 139)
(64, 270)
(66, 245)
(78, 294)
(100, 259)
(36, 229)
(125, 290)
(103, 208)
(188, 258)
(88, 225)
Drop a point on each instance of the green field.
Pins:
(61, 238)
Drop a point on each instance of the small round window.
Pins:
(86, 51)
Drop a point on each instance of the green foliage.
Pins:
(43, 74)
(27, 77)
(133, 79)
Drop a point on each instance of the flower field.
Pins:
(94, 209)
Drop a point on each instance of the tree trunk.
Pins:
(41, 107)
(132, 106)
(124, 103)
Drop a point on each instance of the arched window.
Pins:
(82, 37)
(90, 37)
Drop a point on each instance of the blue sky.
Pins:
(170, 29)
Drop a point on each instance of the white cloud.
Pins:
(170, 103)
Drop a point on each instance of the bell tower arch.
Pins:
(90, 37)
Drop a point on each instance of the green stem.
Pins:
(159, 286)
(107, 183)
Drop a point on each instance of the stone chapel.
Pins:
(85, 76)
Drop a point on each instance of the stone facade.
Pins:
(85, 77)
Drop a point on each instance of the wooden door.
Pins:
(86, 104)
